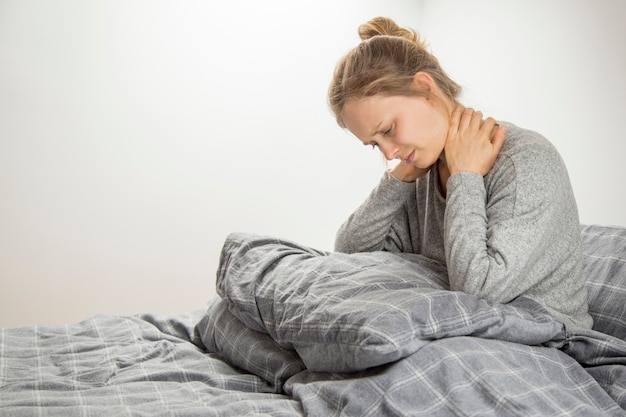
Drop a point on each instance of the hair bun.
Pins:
(385, 26)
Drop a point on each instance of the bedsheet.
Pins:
(126, 366)
(299, 332)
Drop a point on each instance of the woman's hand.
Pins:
(407, 172)
(472, 143)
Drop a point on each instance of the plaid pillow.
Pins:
(247, 349)
(347, 312)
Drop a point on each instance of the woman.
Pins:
(491, 201)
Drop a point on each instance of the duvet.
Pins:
(296, 331)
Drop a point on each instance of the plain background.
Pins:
(135, 135)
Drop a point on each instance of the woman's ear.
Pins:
(422, 81)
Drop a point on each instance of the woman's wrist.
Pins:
(407, 173)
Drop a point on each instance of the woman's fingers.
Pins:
(476, 120)
(466, 119)
(497, 139)
(489, 127)
(455, 120)
(473, 144)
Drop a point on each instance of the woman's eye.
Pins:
(387, 132)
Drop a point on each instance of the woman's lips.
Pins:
(410, 158)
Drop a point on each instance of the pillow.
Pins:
(604, 268)
(254, 352)
(347, 312)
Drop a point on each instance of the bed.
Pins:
(296, 331)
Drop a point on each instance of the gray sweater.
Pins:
(513, 232)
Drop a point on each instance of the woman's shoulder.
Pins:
(519, 139)
(527, 148)
(529, 160)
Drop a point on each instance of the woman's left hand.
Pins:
(472, 143)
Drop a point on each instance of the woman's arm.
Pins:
(509, 236)
(381, 221)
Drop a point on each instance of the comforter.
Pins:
(297, 331)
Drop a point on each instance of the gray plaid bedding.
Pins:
(301, 332)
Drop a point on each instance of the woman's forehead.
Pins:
(361, 116)
(366, 114)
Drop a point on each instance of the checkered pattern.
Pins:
(461, 376)
(126, 366)
(604, 266)
(348, 312)
(208, 363)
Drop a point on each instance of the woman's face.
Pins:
(409, 128)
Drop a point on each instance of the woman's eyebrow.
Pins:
(377, 129)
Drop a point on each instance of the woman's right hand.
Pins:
(408, 173)
(472, 144)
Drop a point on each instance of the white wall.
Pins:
(136, 134)
(557, 67)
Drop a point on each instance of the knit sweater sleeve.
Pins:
(381, 221)
(507, 232)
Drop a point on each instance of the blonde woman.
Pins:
(490, 200)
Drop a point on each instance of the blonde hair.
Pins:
(385, 62)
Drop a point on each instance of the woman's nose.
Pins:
(389, 150)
